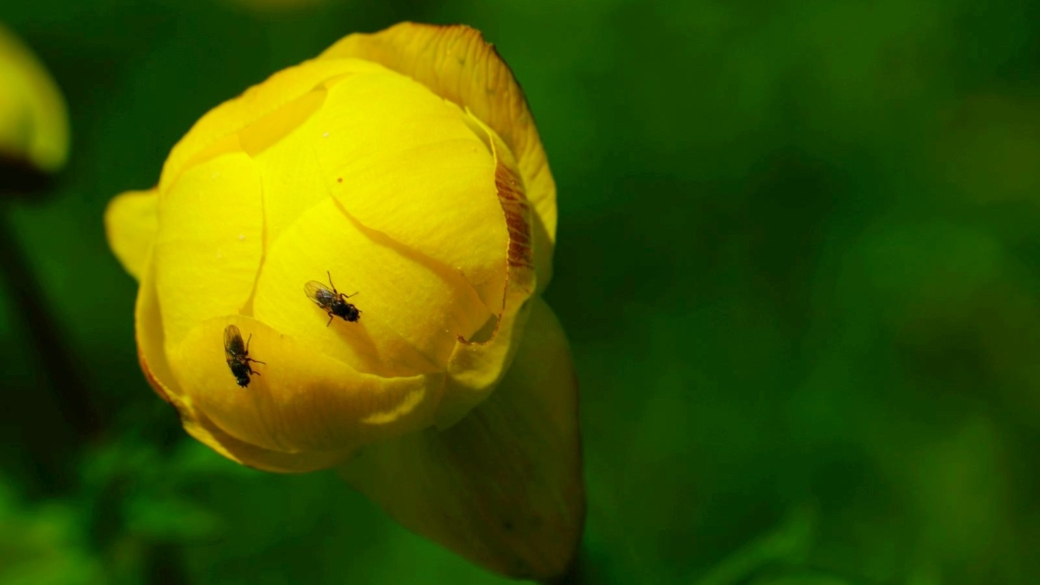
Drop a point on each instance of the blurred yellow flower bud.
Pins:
(406, 166)
(34, 125)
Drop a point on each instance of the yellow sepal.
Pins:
(503, 487)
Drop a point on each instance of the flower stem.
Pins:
(43, 333)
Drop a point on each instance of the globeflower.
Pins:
(34, 127)
(342, 267)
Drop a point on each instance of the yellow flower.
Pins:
(34, 127)
(406, 165)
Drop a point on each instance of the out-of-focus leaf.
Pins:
(44, 544)
(803, 579)
(789, 544)
(170, 519)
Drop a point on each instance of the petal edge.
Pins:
(131, 223)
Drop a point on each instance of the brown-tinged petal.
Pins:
(456, 63)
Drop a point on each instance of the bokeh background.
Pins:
(797, 259)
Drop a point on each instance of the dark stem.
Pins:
(43, 333)
(164, 566)
(20, 180)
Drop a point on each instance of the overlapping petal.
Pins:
(255, 104)
(477, 365)
(152, 356)
(209, 244)
(406, 163)
(301, 400)
(456, 63)
(412, 309)
(131, 223)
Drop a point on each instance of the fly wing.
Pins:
(318, 292)
(233, 344)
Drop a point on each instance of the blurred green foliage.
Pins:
(797, 259)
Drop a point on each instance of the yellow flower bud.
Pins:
(403, 166)
(34, 127)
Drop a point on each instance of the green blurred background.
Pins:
(797, 259)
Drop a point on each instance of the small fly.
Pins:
(331, 300)
(237, 355)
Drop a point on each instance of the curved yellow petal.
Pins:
(503, 487)
(288, 166)
(210, 243)
(33, 121)
(405, 162)
(152, 356)
(249, 455)
(376, 237)
(131, 222)
(476, 365)
(299, 400)
(256, 103)
(412, 309)
(148, 330)
(456, 63)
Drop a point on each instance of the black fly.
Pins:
(331, 300)
(237, 355)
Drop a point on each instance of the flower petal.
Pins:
(405, 162)
(152, 356)
(131, 222)
(476, 365)
(456, 63)
(254, 104)
(257, 457)
(412, 309)
(149, 332)
(210, 242)
(300, 400)
(281, 145)
(34, 125)
(503, 487)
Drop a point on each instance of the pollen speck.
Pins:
(339, 179)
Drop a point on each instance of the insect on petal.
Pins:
(302, 400)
